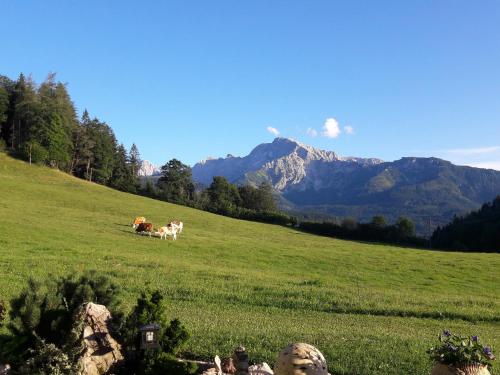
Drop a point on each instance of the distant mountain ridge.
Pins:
(309, 179)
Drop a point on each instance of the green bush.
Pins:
(159, 363)
(48, 359)
(172, 338)
(45, 312)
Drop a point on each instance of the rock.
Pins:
(101, 351)
(211, 371)
(218, 366)
(260, 369)
(300, 359)
(440, 369)
(4, 369)
(228, 366)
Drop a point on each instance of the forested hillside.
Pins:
(479, 230)
(40, 123)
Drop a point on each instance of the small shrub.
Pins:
(158, 363)
(47, 359)
(3, 145)
(172, 338)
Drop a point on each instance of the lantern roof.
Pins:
(150, 327)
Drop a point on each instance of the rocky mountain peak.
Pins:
(148, 169)
(283, 162)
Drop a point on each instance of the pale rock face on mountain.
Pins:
(148, 169)
(284, 163)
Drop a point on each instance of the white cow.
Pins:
(178, 224)
(167, 231)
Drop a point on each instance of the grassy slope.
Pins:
(366, 306)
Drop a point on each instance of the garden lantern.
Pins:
(149, 336)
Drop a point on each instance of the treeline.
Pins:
(222, 197)
(378, 230)
(477, 231)
(40, 124)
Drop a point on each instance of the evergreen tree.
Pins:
(405, 227)
(4, 105)
(176, 183)
(122, 178)
(257, 199)
(7, 87)
(134, 159)
(83, 146)
(265, 197)
(249, 196)
(27, 113)
(224, 197)
(379, 222)
(103, 152)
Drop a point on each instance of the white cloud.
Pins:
(331, 128)
(472, 151)
(273, 131)
(312, 132)
(349, 129)
(487, 164)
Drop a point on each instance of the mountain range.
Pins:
(428, 190)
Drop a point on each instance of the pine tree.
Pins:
(176, 183)
(224, 197)
(27, 112)
(122, 178)
(135, 159)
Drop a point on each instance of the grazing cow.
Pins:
(178, 224)
(144, 228)
(169, 230)
(138, 220)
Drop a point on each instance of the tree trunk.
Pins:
(87, 169)
(12, 136)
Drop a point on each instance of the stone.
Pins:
(440, 369)
(218, 365)
(228, 366)
(101, 351)
(211, 371)
(260, 369)
(4, 369)
(300, 359)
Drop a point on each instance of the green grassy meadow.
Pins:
(370, 308)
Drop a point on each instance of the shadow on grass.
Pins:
(123, 225)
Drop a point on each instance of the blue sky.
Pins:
(191, 79)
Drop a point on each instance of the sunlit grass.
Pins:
(371, 309)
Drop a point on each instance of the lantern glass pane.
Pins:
(149, 336)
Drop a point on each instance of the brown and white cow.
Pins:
(144, 228)
(138, 220)
(169, 230)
